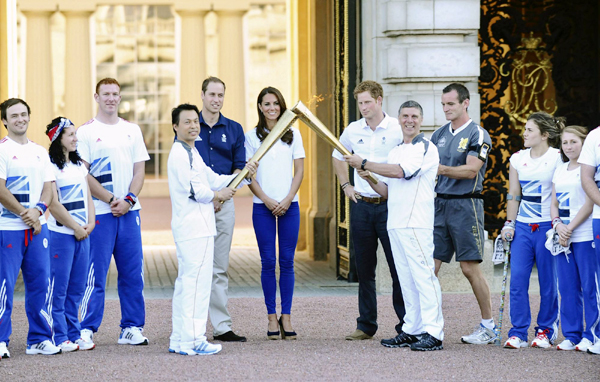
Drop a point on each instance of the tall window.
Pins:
(136, 45)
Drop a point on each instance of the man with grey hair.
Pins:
(411, 170)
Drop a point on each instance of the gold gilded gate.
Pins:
(536, 55)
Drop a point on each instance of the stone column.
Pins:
(38, 75)
(193, 56)
(231, 63)
(79, 84)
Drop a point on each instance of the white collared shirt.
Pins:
(371, 145)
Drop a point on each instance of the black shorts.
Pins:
(458, 227)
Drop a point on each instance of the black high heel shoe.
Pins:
(272, 335)
(286, 335)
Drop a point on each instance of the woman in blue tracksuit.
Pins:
(571, 218)
(528, 219)
(71, 221)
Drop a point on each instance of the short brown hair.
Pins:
(579, 131)
(209, 80)
(107, 81)
(12, 102)
(372, 87)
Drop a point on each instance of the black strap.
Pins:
(464, 196)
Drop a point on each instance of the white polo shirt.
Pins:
(370, 145)
(275, 171)
(590, 155)
(411, 199)
(25, 168)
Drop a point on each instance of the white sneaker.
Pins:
(205, 348)
(68, 346)
(480, 336)
(541, 340)
(595, 348)
(4, 353)
(565, 345)
(45, 348)
(515, 342)
(132, 336)
(86, 340)
(583, 345)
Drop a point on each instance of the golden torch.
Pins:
(314, 123)
(286, 120)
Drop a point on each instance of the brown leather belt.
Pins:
(367, 199)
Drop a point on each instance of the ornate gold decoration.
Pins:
(530, 75)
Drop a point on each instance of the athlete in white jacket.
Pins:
(193, 188)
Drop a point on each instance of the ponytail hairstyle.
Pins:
(553, 126)
(57, 155)
(579, 131)
(261, 127)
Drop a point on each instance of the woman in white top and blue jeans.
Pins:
(275, 208)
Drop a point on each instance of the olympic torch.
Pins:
(315, 124)
(286, 120)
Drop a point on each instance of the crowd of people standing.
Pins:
(406, 192)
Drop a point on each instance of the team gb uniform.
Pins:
(111, 151)
(410, 228)
(69, 258)
(25, 168)
(577, 271)
(528, 246)
(191, 185)
(590, 155)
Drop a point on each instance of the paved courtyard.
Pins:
(324, 311)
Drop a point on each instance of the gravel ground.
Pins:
(320, 353)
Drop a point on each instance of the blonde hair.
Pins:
(579, 131)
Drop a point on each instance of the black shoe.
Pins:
(286, 335)
(400, 341)
(427, 342)
(230, 336)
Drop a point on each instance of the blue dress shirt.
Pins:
(222, 146)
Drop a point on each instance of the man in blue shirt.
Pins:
(221, 145)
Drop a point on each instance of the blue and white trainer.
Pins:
(45, 348)
(132, 336)
(204, 348)
(480, 336)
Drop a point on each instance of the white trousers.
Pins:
(192, 292)
(412, 249)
